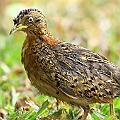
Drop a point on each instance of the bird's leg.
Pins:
(57, 103)
(112, 109)
(86, 111)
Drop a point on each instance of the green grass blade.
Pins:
(43, 107)
(56, 114)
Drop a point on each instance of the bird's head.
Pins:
(30, 21)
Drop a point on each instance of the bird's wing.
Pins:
(86, 73)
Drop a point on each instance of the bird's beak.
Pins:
(17, 28)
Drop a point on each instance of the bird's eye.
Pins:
(30, 19)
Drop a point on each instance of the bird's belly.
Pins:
(41, 82)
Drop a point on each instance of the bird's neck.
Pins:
(50, 39)
(45, 37)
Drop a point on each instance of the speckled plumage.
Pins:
(65, 71)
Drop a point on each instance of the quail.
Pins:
(63, 70)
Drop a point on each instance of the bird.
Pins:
(68, 72)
